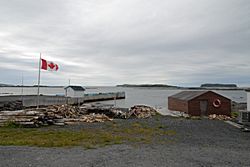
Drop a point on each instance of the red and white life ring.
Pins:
(217, 103)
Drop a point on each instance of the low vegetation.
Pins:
(88, 137)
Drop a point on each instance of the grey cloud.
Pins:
(105, 42)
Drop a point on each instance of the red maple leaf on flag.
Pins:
(51, 65)
(48, 65)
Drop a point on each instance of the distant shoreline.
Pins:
(18, 86)
(149, 86)
(177, 87)
(159, 86)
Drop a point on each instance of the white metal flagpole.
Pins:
(22, 89)
(38, 85)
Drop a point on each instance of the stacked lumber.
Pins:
(11, 106)
(219, 117)
(141, 111)
(21, 117)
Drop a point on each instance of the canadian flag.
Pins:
(49, 65)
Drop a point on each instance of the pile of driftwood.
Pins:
(107, 110)
(219, 117)
(67, 114)
(90, 118)
(141, 111)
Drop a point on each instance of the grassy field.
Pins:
(101, 134)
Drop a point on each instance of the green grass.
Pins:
(88, 138)
(234, 114)
(56, 138)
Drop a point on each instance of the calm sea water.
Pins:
(156, 97)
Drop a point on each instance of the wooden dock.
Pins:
(45, 100)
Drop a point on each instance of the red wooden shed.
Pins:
(199, 103)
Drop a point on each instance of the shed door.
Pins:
(203, 107)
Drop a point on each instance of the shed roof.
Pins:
(188, 95)
(76, 88)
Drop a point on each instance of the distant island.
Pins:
(149, 86)
(209, 85)
(206, 86)
(5, 85)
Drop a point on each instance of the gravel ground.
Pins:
(197, 143)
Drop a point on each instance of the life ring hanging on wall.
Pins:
(217, 103)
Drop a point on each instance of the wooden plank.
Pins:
(20, 113)
(26, 123)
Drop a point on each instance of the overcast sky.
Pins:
(109, 42)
